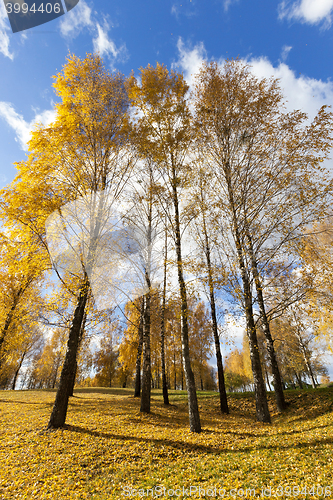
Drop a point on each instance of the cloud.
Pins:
(285, 51)
(21, 127)
(105, 46)
(175, 10)
(190, 59)
(184, 8)
(227, 3)
(74, 21)
(300, 91)
(81, 17)
(4, 38)
(307, 11)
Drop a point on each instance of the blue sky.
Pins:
(289, 40)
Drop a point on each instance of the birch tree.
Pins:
(268, 165)
(160, 98)
(80, 155)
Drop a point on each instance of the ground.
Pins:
(109, 450)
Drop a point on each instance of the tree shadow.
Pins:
(43, 404)
(185, 446)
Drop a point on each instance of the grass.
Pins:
(108, 447)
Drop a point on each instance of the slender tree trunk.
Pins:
(59, 411)
(18, 370)
(110, 378)
(164, 380)
(262, 411)
(267, 378)
(194, 417)
(220, 373)
(137, 389)
(56, 371)
(146, 372)
(299, 380)
(306, 359)
(174, 371)
(280, 400)
(72, 384)
(157, 377)
(9, 319)
(314, 385)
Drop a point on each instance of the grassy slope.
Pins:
(108, 445)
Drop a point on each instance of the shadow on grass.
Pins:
(14, 401)
(186, 447)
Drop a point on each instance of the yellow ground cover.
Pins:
(109, 450)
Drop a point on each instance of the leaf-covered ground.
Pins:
(109, 450)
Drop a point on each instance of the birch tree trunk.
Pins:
(164, 379)
(18, 370)
(279, 395)
(59, 411)
(262, 411)
(194, 417)
(137, 389)
(222, 391)
(146, 369)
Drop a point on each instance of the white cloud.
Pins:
(4, 38)
(189, 60)
(74, 21)
(285, 51)
(105, 46)
(307, 11)
(227, 3)
(300, 91)
(175, 10)
(182, 8)
(21, 127)
(81, 17)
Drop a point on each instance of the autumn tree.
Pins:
(106, 356)
(262, 159)
(160, 98)
(201, 340)
(143, 222)
(22, 269)
(45, 368)
(130, 348)
(81, 154)
(206, 269)
(134, 311)
(162, 312)
(222, 100)
(317, 262)
(297, 347)
(173, 344)
(90, 128)
(235, 372)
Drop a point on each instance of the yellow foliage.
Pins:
(108, 445)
